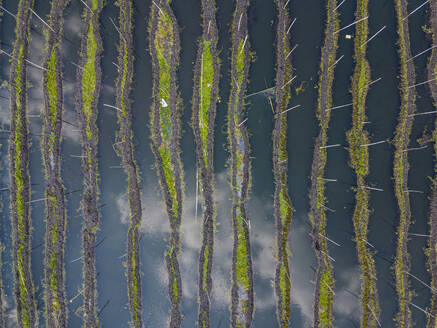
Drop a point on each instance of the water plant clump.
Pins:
(19, 172)
(432, 251)
(242, 295)
(89, 75)
(401, 166)
(283, 209)
(164, 47)
(55, 298)
(357, 136)
(205, 97)
(125, 148)
(324, 280)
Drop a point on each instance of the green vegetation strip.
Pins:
(55, 298)
(242, 295)
(205, 97)
(432, 247)
(125, 149)
(359, 161)
(282, 204)
(324, 282)
(165, 121)
(401, 166)
(88, 91)
(19, 172)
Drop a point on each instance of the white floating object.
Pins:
(348, 36)
(163, 103)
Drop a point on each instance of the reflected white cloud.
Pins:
(301, 273)
(346, 304)
(155, 222)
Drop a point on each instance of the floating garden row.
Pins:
(324, 280)
(205, 97)
(55, 298)
(282, 204)
(242, 295)
(358, 138)
(20, 195)
(432, 247)
(401, 166)
(125, 148)
(165, 127)
(89, 77)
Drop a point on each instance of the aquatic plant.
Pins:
(205, 97)
(125, 148)
(283, 209)
(89, 75)
(55, 298)
(164, 47)
(359, 160)
(401, 166)
(432, 250)
(20, 194)
(324, 280)
(242, 296)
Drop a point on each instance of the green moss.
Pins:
(206, 84)
(21, 189)
(325, 299)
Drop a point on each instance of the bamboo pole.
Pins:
(42, 20)
(421, 53)
(352, 24)
(415, 10)
(374, 143)
(341, 106)
(373, 36)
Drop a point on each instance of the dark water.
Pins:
(382, 109)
